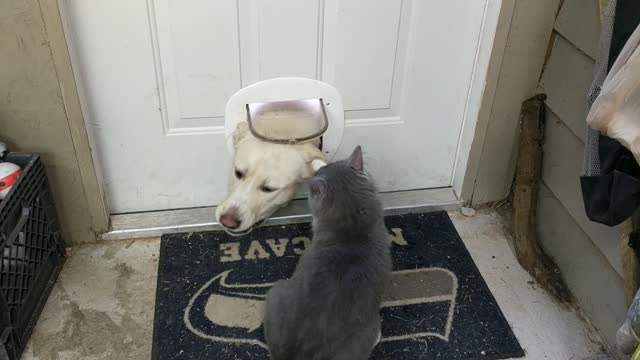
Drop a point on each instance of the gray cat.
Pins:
(330, 308)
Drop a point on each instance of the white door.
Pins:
(156, 74)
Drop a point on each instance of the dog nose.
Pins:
(230, 220)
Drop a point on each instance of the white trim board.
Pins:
(157, 223)
(476, 93)
(82, 97)
(518, 56)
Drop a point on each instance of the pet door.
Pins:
(288, 111)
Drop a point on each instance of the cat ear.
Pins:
(317, 187)
(241, 132)
(355, 160)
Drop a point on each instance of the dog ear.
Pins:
(355, 160)
(317, 164)
(241, 132)
(313, 156)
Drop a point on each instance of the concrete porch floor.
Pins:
(102, 305)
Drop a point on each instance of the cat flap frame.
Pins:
(289, 121)
(290, 89)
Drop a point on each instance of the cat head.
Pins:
(342, 192)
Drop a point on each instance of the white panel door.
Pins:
(156, 75)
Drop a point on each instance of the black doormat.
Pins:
(211, 288)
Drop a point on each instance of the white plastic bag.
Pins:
(616, 111)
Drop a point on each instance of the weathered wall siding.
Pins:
(590, 277)
(587, 253)
(32, 112)
(566, 81)
(524, 55)
(579, 21)
(562, 164)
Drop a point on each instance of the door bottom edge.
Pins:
(157, 223)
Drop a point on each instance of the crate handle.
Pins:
(24, 216)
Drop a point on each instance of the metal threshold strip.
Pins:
(157, 223)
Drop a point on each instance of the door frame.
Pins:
(480, 101)
(66, 74)
(493, 12)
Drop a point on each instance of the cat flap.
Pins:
(289, 121)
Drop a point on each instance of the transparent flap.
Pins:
(288, 122)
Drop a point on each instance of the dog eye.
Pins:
(239, 174)
(267, 189)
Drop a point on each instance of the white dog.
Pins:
(266, 176)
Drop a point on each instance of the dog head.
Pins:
(265, 177)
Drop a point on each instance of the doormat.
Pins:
(211, 289)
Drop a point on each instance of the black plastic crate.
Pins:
(31, 254)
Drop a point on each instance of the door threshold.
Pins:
(157, 223)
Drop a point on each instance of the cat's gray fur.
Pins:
(330, 308)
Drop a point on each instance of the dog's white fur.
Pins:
(282, 168)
